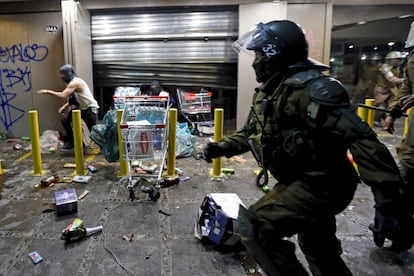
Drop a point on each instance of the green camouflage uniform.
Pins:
(307, 139)
(405, 151)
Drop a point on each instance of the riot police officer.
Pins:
(300, 127)
(402, 102)
(369, 66)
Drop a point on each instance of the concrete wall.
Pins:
(317, 27)
(31, 51)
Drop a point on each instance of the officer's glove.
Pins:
(214, 150)
(394, 223)
(406, 102)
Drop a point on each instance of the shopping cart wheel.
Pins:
(154, 194)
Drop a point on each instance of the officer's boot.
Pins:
(276, 257)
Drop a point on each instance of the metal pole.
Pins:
(407, 122)
(1, 179)
(78, 143)
(362, 113)
(172, 133)
(218, 135)
(371, 113)
(123, 165)
(34, 136)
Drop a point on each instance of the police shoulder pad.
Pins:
(328, 91)
(300, 79)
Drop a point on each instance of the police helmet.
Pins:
(276, 45)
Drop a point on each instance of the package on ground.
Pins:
(66, 202)
(215, 218)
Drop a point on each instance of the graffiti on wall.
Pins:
(15, 75)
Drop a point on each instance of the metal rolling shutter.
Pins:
(182, 48)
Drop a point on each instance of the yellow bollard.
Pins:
(123, 165)
(78, 143)
(371, 113)
(218, 135)
(1, 179)
(34, 136)
(172, 133)
(407, 121)
(362, 113)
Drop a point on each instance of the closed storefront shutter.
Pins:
(184, 48)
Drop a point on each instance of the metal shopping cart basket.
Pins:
(144, 134)
(196, 109)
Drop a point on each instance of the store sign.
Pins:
(51, 29)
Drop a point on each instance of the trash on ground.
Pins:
(48, 139)
(169, 181)
(69, 165)
(227, 170)
(92, 169)
(81, 179)
(48, 207)
(184, 178)
(76, 231)
(17, 146)
(84, 194)
(48, 182)
(179, 171)
(66, 202)
(35, 257)
(215, 218)
(164, 213)
(25, 138)
(128, 237)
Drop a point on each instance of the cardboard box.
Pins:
(216, 216)
(66, 202)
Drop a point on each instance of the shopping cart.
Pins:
(144, 135)
(196, 109)
(124, 91)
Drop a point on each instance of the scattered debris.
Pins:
(184, 178)
(81, 179)
(84, 194)
(76, 231)
(92, 169)
(69, 165)
(48, 207)
(35, 257)
(164, 213)
(17, 146)
(147, 255)
(25, 138)
(179, 171)
(128, 237)
(48, 182)
(227, 170)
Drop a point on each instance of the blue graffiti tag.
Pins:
(22, 53)
(16, 77)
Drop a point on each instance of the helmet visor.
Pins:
(257, 39)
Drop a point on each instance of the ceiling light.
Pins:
(391, 43)
(351, 46)
(362, 22)
(375, 48)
